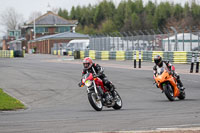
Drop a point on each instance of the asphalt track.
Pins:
(48, 87)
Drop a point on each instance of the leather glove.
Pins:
(154, 68)
(79, 84)
(95, 75)
(157, 86)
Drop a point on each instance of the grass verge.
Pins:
(9, 103)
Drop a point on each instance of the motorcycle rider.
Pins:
(91, 67)
(160, 63)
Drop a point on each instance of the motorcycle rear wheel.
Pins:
(94, 102)
(182, 95)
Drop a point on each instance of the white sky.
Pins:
(26, 7)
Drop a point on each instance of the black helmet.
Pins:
(158, 60)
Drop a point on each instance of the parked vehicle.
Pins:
(78, 44)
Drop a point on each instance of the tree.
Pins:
(108, 26)
(10, 19)
(148, 16)
(139, 6)
(105, 10)
(119, 17)
(162, 13)
(135, 22)
(63, 13)
(34, 15)
(195, 9)
(73, 13)
(178, 11)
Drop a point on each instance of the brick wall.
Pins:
(44, 47)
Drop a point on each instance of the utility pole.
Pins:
(176, 39)
(34, 28)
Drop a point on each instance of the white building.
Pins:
(185, 42)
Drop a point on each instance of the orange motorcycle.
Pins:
(168, 84)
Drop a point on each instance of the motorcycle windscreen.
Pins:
(160, 70)
(88, 76)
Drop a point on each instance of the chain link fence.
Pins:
(148, 40)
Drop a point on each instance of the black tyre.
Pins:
(118, 103)
(94, 102)
(182, 95)
(169, 91)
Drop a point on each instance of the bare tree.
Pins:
(35, 15)
(10, 19)
(55, 10)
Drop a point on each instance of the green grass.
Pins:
(9, 103)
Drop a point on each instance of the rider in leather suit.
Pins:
(160, 63)
(91, 67)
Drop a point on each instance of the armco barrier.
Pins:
(92, 54)
(112, 55)
(76, 54)
(180, 57)
(175, 57)
(18, 53)
(129, 55)
(82, 54)
(120, 55)
(104, 55)
(6, 54)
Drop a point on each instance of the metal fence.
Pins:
(149, 40)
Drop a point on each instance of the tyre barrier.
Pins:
(18, 53)
(175, 57)
(6, 53)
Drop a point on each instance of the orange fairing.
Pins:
(166, 77)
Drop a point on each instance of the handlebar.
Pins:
(95, 75)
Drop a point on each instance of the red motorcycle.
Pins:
(98, 94)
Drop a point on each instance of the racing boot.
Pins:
(110, 87)
(181, 85)
(112, 91)
(179, 82)
(107, 98)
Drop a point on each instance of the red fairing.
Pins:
(90, 77)
(99, 82)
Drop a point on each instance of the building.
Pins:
(46, 44)
(11, 35)
(181, 42)
(48, 24)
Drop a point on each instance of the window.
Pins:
(41, 29)
(11, 33)
(62, 29)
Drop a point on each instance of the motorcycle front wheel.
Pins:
(95, 102)
(169, 91)
(118, 102)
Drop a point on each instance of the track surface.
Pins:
(48, 87)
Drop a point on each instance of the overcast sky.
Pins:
(26, 7)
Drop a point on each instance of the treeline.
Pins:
(131, 15)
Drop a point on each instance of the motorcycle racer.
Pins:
(159, 63)
(91, 67)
